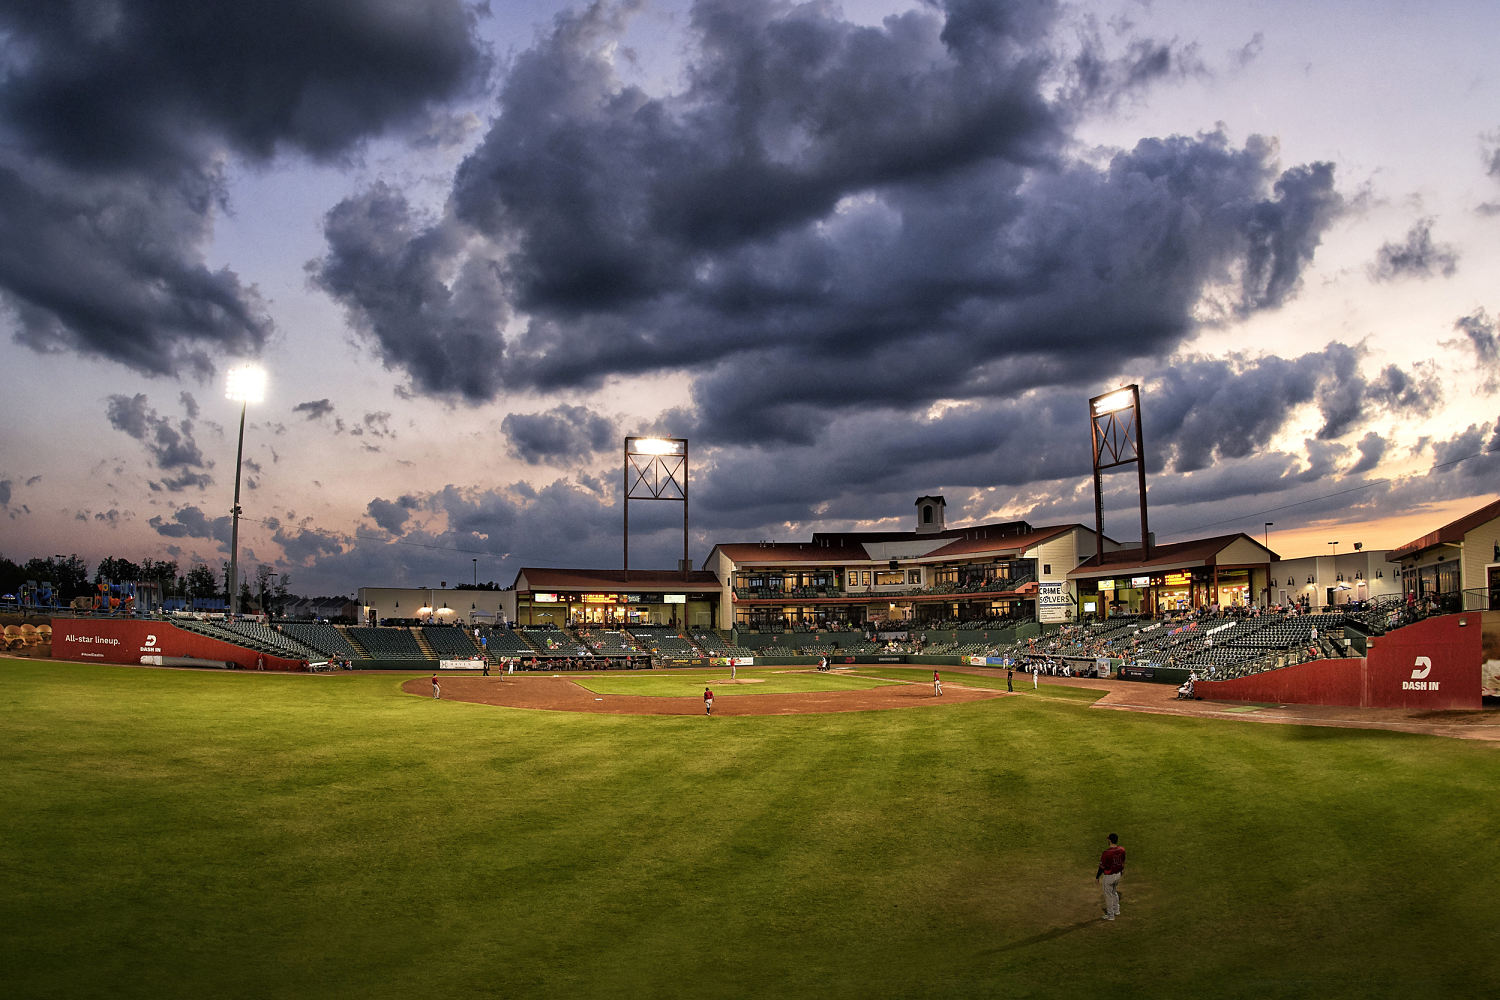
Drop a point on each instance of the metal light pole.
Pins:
(247, 384)
(1269, 524)
(656, 468)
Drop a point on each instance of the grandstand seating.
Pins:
(504, 642)
(271, 639)
(664, 640)
(450, 642)
(548, 639)
(323, 637)
(388, 643)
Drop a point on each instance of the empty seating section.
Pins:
(450, 642)
(388, 643)
(323, 637)
(270, 639)
(714, 644)
(224, 633)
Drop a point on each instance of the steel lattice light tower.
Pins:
(656, 468)
(1116, 420)
(246, 384)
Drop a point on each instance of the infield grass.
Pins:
(205, 834)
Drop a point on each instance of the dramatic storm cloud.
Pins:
(118, 118)
(825, 216)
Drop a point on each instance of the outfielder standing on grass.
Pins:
(1111, 867)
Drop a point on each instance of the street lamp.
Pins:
(247, 384)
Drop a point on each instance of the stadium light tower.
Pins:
(247, 384)
(1115, 419)
(656, 468)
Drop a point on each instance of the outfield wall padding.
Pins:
(1433, 664)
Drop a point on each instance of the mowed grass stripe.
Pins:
(177, 833)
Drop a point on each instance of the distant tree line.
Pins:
(68, 578)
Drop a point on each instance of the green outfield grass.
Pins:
(690, 683)
(206, 834)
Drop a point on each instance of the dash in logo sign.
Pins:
(1420, 669)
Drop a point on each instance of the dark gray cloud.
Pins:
(170, 445)
(1417, 256)
(191, 522)
(304, 545)
(390, 515)
(4, 492)
(1371, 449)
(1482, 336)
(824, 216)
(119, 119)
(564, 433)
(314, 408)
(1489, 152)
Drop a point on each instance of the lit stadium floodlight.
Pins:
(657, 446)
(656, 468)
(1115, 419)
(1113, 402)
(245, 384)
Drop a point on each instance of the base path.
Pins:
(562, 694)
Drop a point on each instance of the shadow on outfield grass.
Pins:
(1051, 935)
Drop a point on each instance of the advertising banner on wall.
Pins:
(1052, 603)
(1431, 664)
(152, 642)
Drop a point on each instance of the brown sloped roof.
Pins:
(791, 552)
(1003, 543)
(548, 578)
(1450, 533)
(1195, 552)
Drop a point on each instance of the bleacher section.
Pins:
(272, 640)
(230, 632)
(716, 645)
(664, 640)
(548, 639)
(502, 642)
(323, 637)
(387, 643)
(450, 642)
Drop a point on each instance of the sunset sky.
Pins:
(855, 252)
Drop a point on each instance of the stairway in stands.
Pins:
(358, 646)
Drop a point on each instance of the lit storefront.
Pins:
(1226, 571)
(605, 598)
